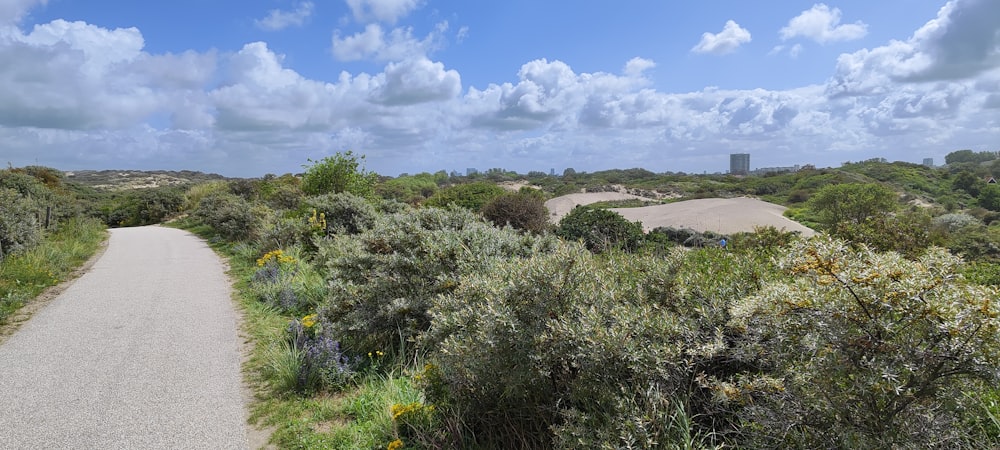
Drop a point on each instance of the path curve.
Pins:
(141, 352)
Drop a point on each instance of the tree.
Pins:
(342, 172)
(470, 196)
(989, 197)
(852, 202)
(968, 182)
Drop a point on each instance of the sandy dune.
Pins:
(721, 215)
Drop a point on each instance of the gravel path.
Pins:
(142, 352)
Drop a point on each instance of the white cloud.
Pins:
(397, 45)
(822, 24)
(416, 81)
(278, 20)
(388, 11)
(729, 39)
(636, 67)
(11, 11)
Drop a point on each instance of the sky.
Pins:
(250, 87)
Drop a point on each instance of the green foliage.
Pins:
(969, 156)
(19, 228)
(908, 233)
(472, 196)
(342, 172)
(383, 279)
(600, 230)
(142, 206)
(523, 210)
(853, 202)
(230, 216)
(967, 182)
(344, 213)
(989, 197)
(412, 189)
(873, 350)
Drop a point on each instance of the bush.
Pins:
(519, 210)
(345, 213)
(342, 172)
(872, 350)
(852, 202)
(472, 196)
(232, 217)
(383, 280)
(19, 228)
(600, 230)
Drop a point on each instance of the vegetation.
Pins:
(442, 311)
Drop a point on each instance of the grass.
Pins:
(25, 275)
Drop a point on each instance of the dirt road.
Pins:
(141, 352)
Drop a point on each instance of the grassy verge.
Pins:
(25, 275)
(358, 416)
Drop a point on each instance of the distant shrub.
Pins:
(342, 172)
(472, 196)
(523, 211)
(954, 221)
(989, 197)
(232, 217)
(600, 230)
(19, 228)
(142, 206)
(852, 202)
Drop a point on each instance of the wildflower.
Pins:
(309, 321)
(278, 256)
(395, 445)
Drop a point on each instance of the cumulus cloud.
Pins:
(397, 45)
(278, 20)
(822, 24)
(416, 81)
(960, 43)
(388, 11)
(729, 39)
(636, 67)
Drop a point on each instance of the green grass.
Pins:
(25, 275)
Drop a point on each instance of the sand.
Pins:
(720, 215)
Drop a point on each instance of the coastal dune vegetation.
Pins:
(445, 311)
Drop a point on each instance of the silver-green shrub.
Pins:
(573, 350)
(872, 350)
(233, 217)
(345, 213)
(383, 280)
(19, 228)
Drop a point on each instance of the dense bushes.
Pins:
(383, 280)
(600, 230)
(233, 217)
(472, 196)
(873, 350)
(342, 172)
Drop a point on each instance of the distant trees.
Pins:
(852, 202)
(471, 196)
(969, 156)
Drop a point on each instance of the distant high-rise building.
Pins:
(739, 163)
(552, 172)
(471, 171)
(929, 162)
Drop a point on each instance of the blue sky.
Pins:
(260, 86)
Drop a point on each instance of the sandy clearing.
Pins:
(560, 206)
(721, 215)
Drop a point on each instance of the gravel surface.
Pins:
(142, 352)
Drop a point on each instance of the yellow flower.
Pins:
(309, 321)
(395, 445)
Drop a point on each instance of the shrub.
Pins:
(989, 197)
(852, 202)
(600, 230)
(345, 213)
(342, 172)
(383, 279)
(519, 210)
(873, 350)
(232, 217)
(472, 196)
(18, 223)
